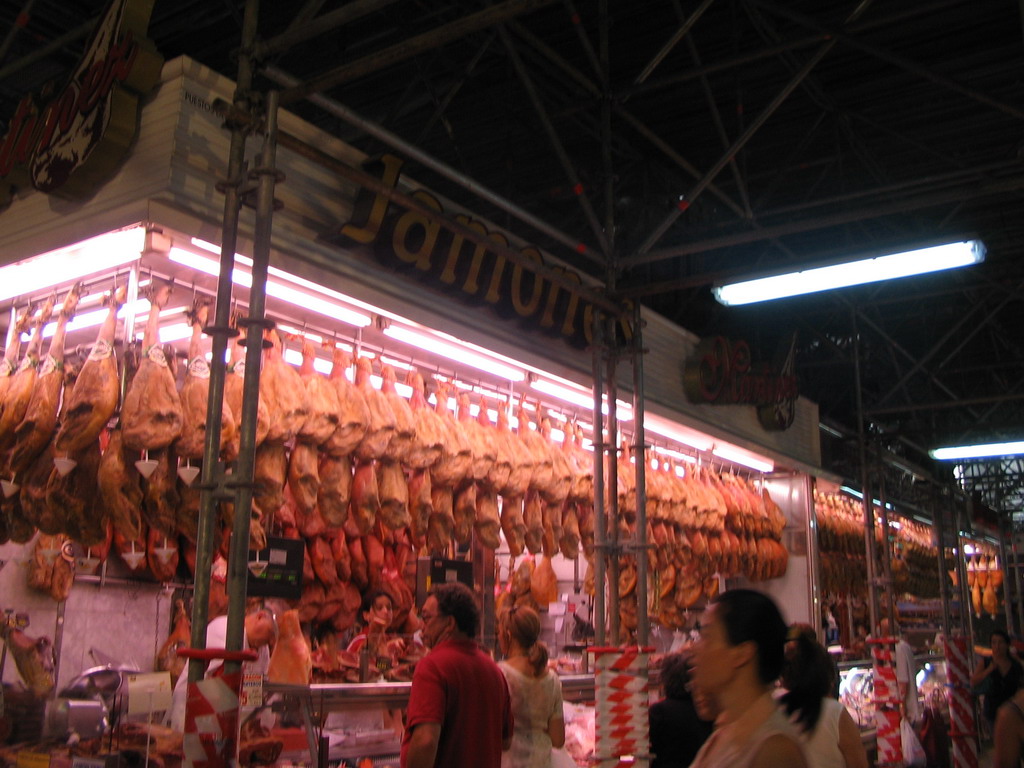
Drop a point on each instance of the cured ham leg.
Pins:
(94, 398)
(36, 428)
(9, 364)
(394, 495)
(291, 661)
(365, 498)
(75, 498)
(353, 412)
(335, 489)
(431, 434)
(22, 383)
(304, 476)
(195, 395)
(512, 524)
(120, 489)
(151, 417)
(233, 387)
(162, 554)
(34, 659)
(403, 439)
(160, 497)
(323, 419)
(282, 389)
(167, 659)
(382, 418)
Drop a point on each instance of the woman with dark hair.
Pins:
(535, 690)
(737, 659)
(676, 728)
(377, 614)
(998, 678)
(831, 738)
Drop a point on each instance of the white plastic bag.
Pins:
(913, 752)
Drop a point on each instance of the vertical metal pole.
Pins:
(613, 484)
(1011, 626)
(940, 535)
(238, 562)
(890, 586)
(1018, 596)
(966, 618)
(601, 454)
(212, 473)
(869, 515)
(643, 622)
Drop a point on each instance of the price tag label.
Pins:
(149, 692)
(251, 694)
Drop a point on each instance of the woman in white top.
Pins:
(535, 691)
(831, 739)
(736, 661)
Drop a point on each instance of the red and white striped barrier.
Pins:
(210, 739)
(887, 701)
(621, 722)
(961, 703)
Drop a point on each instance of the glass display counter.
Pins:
(318, 707)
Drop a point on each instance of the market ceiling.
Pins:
(683, 141)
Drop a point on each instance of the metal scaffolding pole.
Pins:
(255, 323)
(601, 453)
(1007, 607)
(890, 586)
(613, 549)
(640, 443)
(869, 514)
(938, 526)
(211, 483)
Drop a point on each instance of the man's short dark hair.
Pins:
(999, 633)
(458, 601)
(675, 676)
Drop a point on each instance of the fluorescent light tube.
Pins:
(581, 397)
(889, 267)
(454, 350)
(678, 434)
(96, 254)
(742, 457)
(276, 289)
(977, 451)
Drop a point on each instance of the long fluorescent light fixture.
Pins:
(737, 456)
(276, 289)
(868, 270)
(675, 433)
(453, 350)
(986, 450)
(581, 397)
(96, 254)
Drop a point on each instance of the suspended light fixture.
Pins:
(920, 260)
(987, 450)
(584, 398)
(97, 254)
(737, 456)
(279, 290)
(453, 349)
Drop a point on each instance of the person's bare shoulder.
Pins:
(779, 750)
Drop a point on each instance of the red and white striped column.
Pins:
(621, 728)
(961, 703)
(887, 701)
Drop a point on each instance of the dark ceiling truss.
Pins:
(660, 147)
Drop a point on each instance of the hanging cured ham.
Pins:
(323, 419)
(335, 490)
(353, 413)
(23, 381)
(457, 456)
(160, 496)
(403, 439)
(34, 509)
(162, 555)
(430, 434)
(291, 661)
(282, 389)
(95, 395)
(37, 427)
(75, 498)
(304, 476)
(382, 418)
(513, 525)
(167, 659)
(269, 475)
(151, 417)
(9, 363)
(195, 395)
(234, 387)
(120, 489)
(365, 498)
(393, 492)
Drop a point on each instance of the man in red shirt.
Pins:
(460, 713)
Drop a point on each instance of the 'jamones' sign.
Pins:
(410, 241)
(68, 143)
